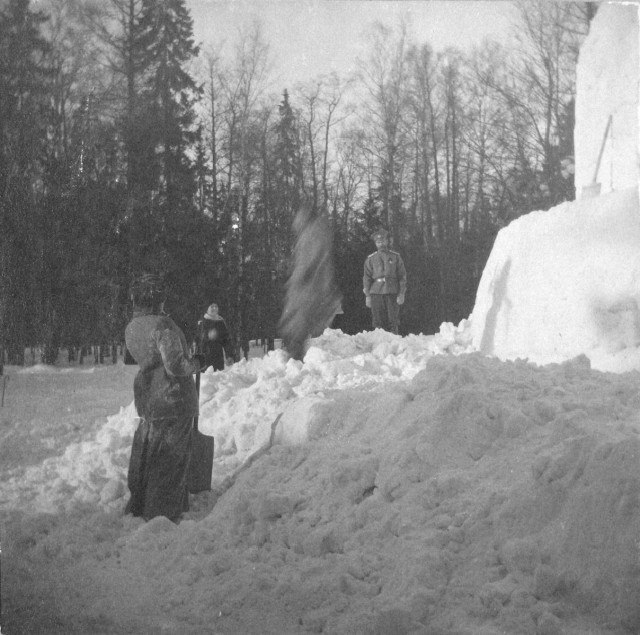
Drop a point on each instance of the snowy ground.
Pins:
(410, 488)
(439, 485)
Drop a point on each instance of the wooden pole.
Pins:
(604, 141)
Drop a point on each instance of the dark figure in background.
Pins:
(213, 339)
(166, 400)
(384, 283)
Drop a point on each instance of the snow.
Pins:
(607, 85)
(410, 485)
(481, 480)
(484, 479)
(565, 282)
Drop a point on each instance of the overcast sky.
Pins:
(310, 37)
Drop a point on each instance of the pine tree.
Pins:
(24, 117)
(166, 227)
(287, 143)
(165, 41)
(288, 176)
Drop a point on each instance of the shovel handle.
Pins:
(604, 140)
(5, 378)
(198, 350)
(195, 419)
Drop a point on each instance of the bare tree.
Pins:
(348, 178)
(385, 77)
(428, 134)
(242, 85)
(320, 100)
(451, 62)
(542, 87)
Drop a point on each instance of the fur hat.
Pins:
(148, 290)
(380, 233)
(212, 312)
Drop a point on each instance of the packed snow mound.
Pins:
(477, 496)
(511, 485)
(238, 407)
(565, 282)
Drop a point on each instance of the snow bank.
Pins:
(607, 87)
(563, 283)
(476, 497)
(238, 407)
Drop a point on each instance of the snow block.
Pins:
(563, 283)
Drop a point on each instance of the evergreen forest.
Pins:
(125, 146)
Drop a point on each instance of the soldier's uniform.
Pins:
(384, 280)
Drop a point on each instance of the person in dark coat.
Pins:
(213, 339)
(166, 401)
(384, 283)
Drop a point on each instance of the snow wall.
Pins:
(607, 85)
(565, 282)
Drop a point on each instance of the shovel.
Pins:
(201, 464)
(593, 189)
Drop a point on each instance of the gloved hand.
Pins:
(199, 357)
(367, 301)
(400, 298)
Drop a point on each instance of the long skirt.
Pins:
(158, 468)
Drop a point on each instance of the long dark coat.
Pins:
(166, 400)
(214, 342)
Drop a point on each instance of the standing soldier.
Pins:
(384, 283)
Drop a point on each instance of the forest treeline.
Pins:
(125, 147)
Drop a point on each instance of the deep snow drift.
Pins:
(411, 485)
